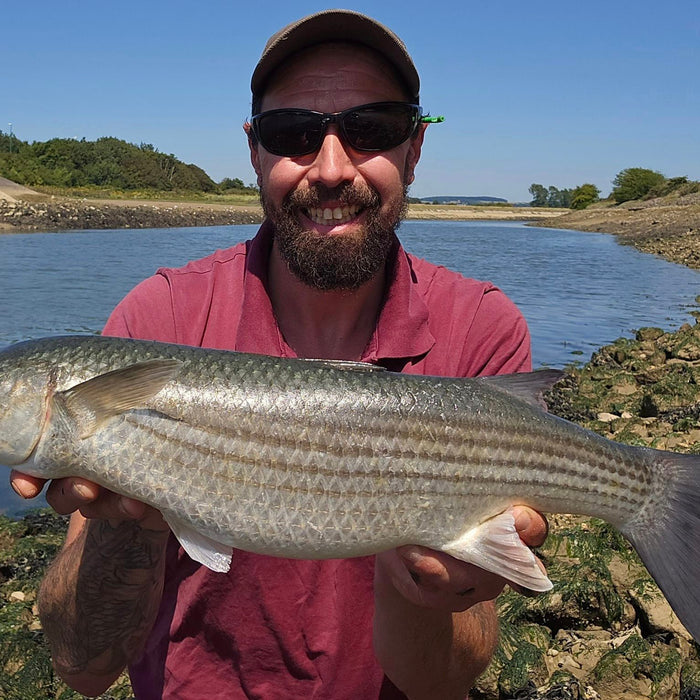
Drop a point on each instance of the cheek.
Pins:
(279, 175)
(386, 174)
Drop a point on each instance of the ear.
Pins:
(253, 148)
(413, 155)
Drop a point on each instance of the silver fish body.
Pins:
(320, 459)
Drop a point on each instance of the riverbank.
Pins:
(668, 226)
(62, 214)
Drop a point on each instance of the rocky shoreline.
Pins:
(73, 214)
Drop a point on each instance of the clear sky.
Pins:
(555, 93)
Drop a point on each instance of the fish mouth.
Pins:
(333, 215)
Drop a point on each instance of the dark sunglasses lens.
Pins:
(290, 133)
(379, 128)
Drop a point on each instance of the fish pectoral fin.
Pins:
(206, 551)
(495, 546)
(92, 403)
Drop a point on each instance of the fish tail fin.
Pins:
(666, 535)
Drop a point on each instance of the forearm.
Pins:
(428, 653)
(99, 600)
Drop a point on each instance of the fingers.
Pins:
(74, 494)
(436, 580)
(26, 486)
(531, 526)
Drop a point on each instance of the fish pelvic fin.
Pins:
(203, 549)
(94, 402)
(495, 545)
(666, 535)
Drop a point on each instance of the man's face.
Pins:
(335, 210)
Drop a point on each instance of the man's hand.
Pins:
(436, 580)
(72, 494)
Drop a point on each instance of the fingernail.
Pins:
(411, 555)
(15, 488)
(81, 490)
(523, 520)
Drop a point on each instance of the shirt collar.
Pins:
(401, 333)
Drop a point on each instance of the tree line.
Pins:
(107, 162)
(629, 184)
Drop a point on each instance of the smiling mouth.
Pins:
(332, 216)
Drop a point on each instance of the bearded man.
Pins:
(335, 136)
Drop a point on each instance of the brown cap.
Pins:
(335, 25)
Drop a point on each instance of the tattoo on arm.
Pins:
(101, 596)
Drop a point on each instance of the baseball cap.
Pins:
(335, 25)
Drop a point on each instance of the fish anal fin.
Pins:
(203, 549)
(94, 402)
(494, 545)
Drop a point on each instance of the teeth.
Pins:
(328, 216)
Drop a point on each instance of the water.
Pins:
(578, 291)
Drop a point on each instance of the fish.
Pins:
(319, 459)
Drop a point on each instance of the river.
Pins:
(577, 290)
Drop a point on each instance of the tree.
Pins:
(539, 195)
(583, 195)
(635, 183)
(558, 198)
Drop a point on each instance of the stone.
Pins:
(656, 614)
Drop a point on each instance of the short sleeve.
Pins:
(146, 312)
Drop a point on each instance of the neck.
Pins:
(335, 324)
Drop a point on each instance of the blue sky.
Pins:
(548, 92)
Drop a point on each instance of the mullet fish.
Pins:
(321, 459)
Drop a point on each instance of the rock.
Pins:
(17, 596)
(656, 615)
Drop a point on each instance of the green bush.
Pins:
(635, 183)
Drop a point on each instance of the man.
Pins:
(324, 277)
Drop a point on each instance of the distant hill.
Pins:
(458, 199)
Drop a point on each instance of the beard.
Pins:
(335, 262)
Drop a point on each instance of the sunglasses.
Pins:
(379, 126)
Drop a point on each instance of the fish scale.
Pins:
(316, 459)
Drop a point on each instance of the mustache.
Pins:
(364, 196)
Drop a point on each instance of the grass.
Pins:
(230, 197)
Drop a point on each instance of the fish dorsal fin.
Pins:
(94, 402)
(346, 365)
(527, 386)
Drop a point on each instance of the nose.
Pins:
(333, 164)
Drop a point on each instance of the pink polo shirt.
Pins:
(278, 628)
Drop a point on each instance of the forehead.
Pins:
(333, 74)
